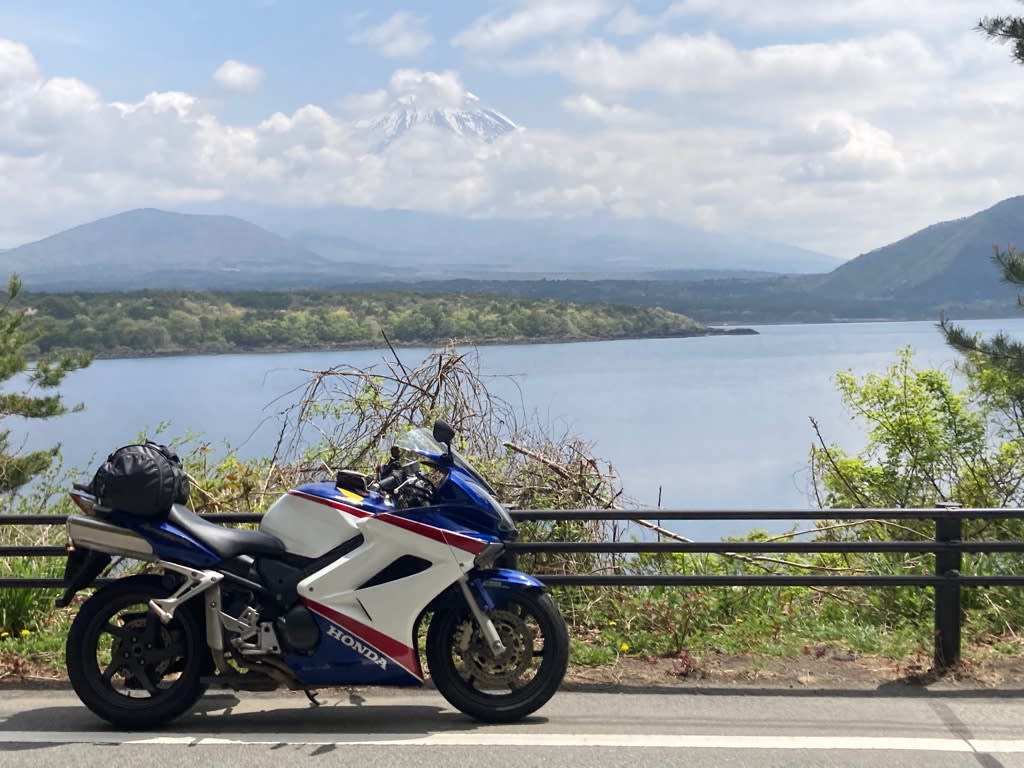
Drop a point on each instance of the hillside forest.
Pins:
(174, 322)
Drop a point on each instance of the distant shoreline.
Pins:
(127, 354)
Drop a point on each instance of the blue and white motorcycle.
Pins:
(330, 591)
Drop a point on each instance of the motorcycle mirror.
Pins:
(443, 433)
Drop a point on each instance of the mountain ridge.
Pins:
(941, 262)
(943, 266)
(132, 247)
(197, 250)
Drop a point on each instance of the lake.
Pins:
(719, 422)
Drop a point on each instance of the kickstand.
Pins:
(311, 695)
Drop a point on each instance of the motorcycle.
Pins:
(331, 590)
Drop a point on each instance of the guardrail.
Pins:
(947, 546)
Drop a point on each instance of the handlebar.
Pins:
(389, 483)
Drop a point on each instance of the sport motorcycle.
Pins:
(342, 584)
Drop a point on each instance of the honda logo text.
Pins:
(363, 650)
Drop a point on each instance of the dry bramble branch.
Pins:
(345, 417)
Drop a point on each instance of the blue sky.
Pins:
(834, 126)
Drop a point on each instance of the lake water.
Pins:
(713, 423)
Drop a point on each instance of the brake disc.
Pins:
(504, 670)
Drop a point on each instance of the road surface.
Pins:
(889, 726)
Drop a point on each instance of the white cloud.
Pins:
(237, 76)
(948, 15)
(180, 103)
(841, 147)
(365, 104)
(402, 34)
(428, 89)
(16, 63)
(869, 70)
(628, 22)
(536, 19)
(613, 114)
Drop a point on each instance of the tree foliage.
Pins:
(33, 396)
(927, 441)
(1007, 29)
(155, 322)
(1003, 356)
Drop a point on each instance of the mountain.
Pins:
(950, 261)
(453, 246)
(148, 248)
(713, 277)
(945, 268)
(335, 247)
(481, 124)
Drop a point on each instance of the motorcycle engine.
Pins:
(297, 629)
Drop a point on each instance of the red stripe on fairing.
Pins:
(457, 540)
(465, 543)
(331, 503)
(397, 651)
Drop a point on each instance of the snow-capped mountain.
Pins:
(483, 124)
(469, 120)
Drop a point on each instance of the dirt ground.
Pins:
(821, 667)
(818, 668)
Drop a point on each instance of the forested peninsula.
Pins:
(145, 323)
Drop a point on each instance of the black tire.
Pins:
(508, 688)
(126, 665)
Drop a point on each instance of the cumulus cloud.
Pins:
(628, 22)
(840, 146)
(536, 19)
(237, 76)
(585, 105)
(869, 70)
(935, 14)
(363, 104)
(16, 63)
(402, 34)
(441, 89)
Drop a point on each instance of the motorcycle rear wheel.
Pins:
(126, 665)
(514, 685)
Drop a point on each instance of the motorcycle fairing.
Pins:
(456, 536)
(352, 653)
(492, 586)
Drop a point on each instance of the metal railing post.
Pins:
(948, 609)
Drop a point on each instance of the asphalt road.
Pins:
(696, 727)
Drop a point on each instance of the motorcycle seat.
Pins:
(225, 542)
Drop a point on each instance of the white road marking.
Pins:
(486, 738)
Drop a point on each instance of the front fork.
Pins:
(482, 590)
(483, 621)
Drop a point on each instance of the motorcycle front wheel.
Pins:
(501, 688)
(126, 665)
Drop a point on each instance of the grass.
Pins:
(37, 652)
(27, 609)
(665, 623)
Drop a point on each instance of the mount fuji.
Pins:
(471, 121)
